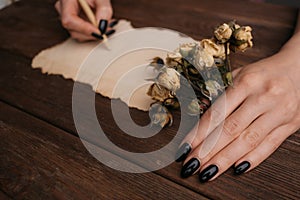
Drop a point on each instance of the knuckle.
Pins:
(252, 138)
(274, 143)
(107, 10)
(248, 79)
(274, 88)
(216, 116)
(262, 100)
(231, 127)
(57, 5)
(66, 22)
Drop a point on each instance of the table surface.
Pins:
(41, 155)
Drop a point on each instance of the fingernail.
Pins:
(97, 36)
(208, 173)
(113, 23)
(102, 26)
(190, 167)
(241, 168)
(110, 32)
(182, 152)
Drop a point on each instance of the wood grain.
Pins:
(49, 98)
(53, 104)
(44, 162)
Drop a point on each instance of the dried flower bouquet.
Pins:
(203, 66)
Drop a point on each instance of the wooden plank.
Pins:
(30, 26)
(3, 196)
(49, 98)
(41, 29)
(39, 161)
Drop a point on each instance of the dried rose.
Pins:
(160, 115)
(212, 48)
(194, 108)
(223, 33)
(169, 78)
(203, 59)
(157, 63)
(233, 25)
(172, 103)
(159, 93)
(173, 59)
(243, 38)
(213, 87)
(187, 50)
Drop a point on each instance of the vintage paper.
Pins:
(118, 69)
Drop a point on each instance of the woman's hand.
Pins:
(261, 110)
(75, 21)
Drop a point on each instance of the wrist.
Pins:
(289, 60)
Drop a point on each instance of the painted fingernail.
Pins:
(97, 36)
(182, 152)
(241, 168)
(208, 173)
(102, 26)
(110, 32)
(113, 23)
(190, 167)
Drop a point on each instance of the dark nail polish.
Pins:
(102, 26)
(113, 23)
(110, 32)
(97, 36)
(241, 168)
(182, 152)
(190, 167)
(208, 173)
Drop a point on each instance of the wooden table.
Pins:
(41, 156)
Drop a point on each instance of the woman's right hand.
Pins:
(75, 21)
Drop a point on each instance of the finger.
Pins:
(81, 37)
(221, 137)
(73, 22)
(247, 141)
(185, 146)
(233, 126)
(103, 10)
(216, 114)
(57, 6)
(263, 150)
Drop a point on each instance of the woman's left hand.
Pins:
(261, 110)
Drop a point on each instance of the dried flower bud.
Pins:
(223, 33)
(160, 115)
(157, 63)
(173, 59)
(213, 87)
(212, 48)
(228, 78)
(159, 93)
(169, 78)
(172, 103)
(219, 62)
(187, 50)
(203, 59)
(243, 38)
(233, 25)
(176, 56)
(204, 105)
(194, 108)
